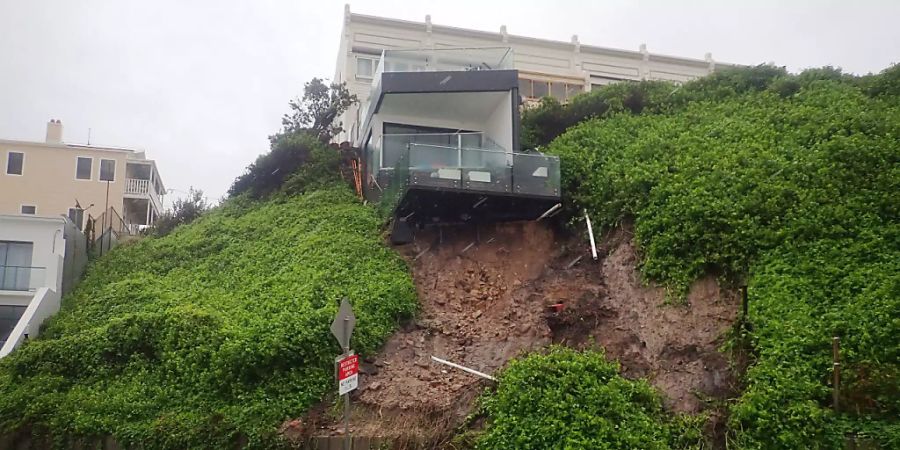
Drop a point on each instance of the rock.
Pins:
(477, 314)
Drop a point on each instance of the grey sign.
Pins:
(342, 326)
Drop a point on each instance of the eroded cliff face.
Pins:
(488, 295)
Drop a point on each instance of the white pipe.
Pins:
(550, 211)
(591, 234)
(463, 368)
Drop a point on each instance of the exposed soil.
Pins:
(488, 294)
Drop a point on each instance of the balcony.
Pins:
(22, 278)
(138, 188)
(473, 165)
(443, 70)
(445, 60)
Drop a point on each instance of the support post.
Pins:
(459, 150)
(347, 438)
(836, 356)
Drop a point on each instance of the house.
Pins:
(440, 141)
(49, 192)
(41, 258)
(559, 69)
(120, 187)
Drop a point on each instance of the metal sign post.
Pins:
(348, 364)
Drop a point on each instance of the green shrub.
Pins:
(297, 162)
(216, 332)
(577, 400)
(548, 120)
(786, 182)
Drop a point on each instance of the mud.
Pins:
(492, 293)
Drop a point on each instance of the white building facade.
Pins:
(36, 256)
(546, 68)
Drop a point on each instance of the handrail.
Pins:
(464, 133)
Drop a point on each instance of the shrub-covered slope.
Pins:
(213, 334)
(788, 183)
(578, 400)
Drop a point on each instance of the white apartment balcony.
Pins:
(144, 190)
(136, 188)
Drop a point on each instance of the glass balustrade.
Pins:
(22, 278)
(457, 161)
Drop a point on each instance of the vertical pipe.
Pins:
(836, 356)
(591, 235)
(347, 438)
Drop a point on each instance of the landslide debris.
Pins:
(487, 295)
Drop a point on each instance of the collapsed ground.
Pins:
(492, 293)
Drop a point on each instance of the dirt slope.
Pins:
(485, 297)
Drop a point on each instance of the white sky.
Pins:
(200, 85)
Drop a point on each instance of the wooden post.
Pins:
(836, 365)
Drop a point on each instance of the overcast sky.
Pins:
(200, 85)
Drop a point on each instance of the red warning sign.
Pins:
(348, 374)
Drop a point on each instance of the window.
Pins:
(365, 67)
(29, 209)
(15, 163)
(9, 317)
(541, 89)
(560, 90)
(107, 170)
(15, 265)
(83, 168)
(76, 215)
(525, 87)
(573, 89)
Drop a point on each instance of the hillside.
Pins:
(211, 336)
(787, 184)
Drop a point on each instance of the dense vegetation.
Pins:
(214, 334)
(569, 399)
(787, 183)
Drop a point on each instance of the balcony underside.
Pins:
(426, 205)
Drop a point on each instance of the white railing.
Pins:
(135, 186)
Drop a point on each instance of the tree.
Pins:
(317, 111)
(184, 210)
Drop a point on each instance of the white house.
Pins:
(37, 255)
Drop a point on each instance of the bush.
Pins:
(299, 159)
(787, 183)
(542, 124)
(578, 400)
(215, 333)
(184, 211)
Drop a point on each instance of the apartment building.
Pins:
(53, 178)
(557, 69)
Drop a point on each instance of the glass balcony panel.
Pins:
(535, 174)
(22, 278)
(474, 163)
(447, 59)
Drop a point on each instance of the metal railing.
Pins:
(22, 278)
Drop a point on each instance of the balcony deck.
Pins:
(408, 175)
(137, 188)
